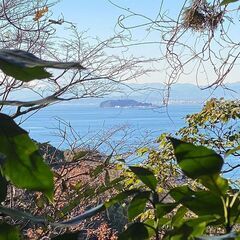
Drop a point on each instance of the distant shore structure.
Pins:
(125, 103)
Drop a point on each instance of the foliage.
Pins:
(218, 116)
(181, 212)
(184, 212)
(209, 200)
(157, 205)
(33, 196)
(21, 163)
(8, 232)
(215, 126)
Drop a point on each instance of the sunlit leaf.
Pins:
(23, 165)
(196, 161)
(215, 183)
(146, 176)
(200, 202)
(234, 150)
(178, 217)
(142, 151)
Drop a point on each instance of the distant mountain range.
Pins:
(154, 93)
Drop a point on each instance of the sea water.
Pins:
(63, 125)
(45, 125)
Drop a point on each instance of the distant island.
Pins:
(125, 103)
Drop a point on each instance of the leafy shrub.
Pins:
(183, 212)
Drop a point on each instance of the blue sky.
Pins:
(99, 18)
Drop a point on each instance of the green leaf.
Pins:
(25, 66)
(200, 202)
(138, 204)
(215, 184)
(8, 232)
(196, 161)
(120, 197)
(146, 176)
(151, 224)
(232, 151)
(225, 2)
(95, 172)
(164, 208)
(178, 218)
(142, 151)
(23, 164)
(3, 188)
(24, 74)
(164, 221)
(190, 228)
(107, 179)
(136, 231)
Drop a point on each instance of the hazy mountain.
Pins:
(153, 93)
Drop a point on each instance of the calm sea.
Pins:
(66, 125)
(86, 121)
